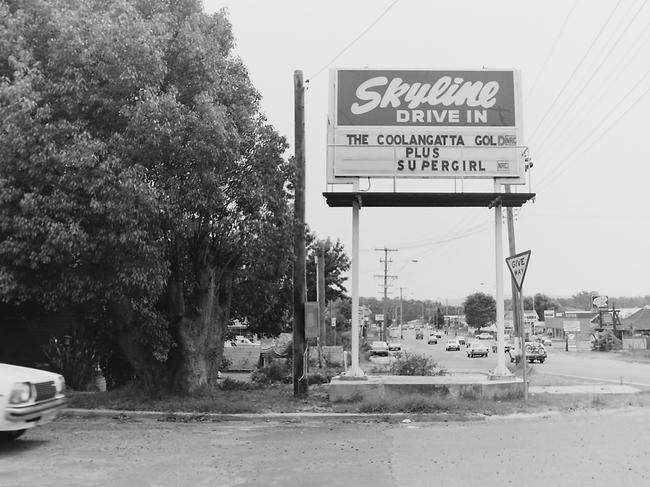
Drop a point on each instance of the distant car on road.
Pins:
(438, 334)
(394, 346)
(28, 397)
(461, 340)
(419, 335)
(379, 348)
(484, 336)
(452, 344)
(477, 349)
(432, 340)
(535, 352)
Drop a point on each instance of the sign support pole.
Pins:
(501, 371)
(355, 371)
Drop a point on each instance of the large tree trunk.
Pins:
(200, 331)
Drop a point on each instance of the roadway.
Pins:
(588, 366)
(599, 449)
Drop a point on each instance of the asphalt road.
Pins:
(595, 449)
(588, 366)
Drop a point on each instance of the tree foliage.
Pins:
(139, 178)
(480, 309)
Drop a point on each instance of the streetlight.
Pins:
(401, 315)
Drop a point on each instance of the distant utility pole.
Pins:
(386, 261)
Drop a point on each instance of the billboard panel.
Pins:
(424, 124)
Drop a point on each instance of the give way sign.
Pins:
(518, 265)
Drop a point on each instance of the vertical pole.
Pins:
(320, 297)
(299, 377)
(517, 299)
(355, 370)
(383, 325)
(501, 369)
(401, 316)
(523, 345)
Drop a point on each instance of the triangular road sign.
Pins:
(518, 265)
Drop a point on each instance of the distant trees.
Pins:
(480, 309)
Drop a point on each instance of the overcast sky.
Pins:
(586, 102)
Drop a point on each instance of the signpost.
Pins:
(425, 124)
(518, 265)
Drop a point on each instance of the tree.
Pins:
(139, 178)
(336, 264)
(543, 302)
(480, 309)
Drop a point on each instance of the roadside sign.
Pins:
(333, 322)
(379, 317)
(599, 301)
(518, 264)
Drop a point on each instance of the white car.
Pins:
(379, 348)
(452, 345)
(28, 397)
(477, 349)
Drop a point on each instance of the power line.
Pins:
(584, 57)
(552, 51)
(589, 78)
(579, 146)
(364, 32)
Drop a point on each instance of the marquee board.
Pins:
(425, 124)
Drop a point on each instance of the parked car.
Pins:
(438, 334)
(28, 398)
(394, 346)
(379, 348)
(432, 340)
(477, 349)
(419, 335)
(535, 351)
(452, 344)
(547, 342)
(461, 340)
(484, 336)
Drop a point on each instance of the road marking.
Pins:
(612, 381)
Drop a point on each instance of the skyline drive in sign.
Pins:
(518, 264)
(424, 124)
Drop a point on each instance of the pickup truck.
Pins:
(535, 351)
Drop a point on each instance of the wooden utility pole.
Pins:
(385, 261)
(517, 297)
(320, 297)
(300, 381)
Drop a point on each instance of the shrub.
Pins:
(74, 356)
(229, 384)
(271, 373)
(414, 364)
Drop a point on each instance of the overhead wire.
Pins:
(575, 70)
(552, 51)
(568, 109)
(354, 41)
(556, 174)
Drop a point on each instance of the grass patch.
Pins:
(261, 399)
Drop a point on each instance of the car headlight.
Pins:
(59, 385)
(20, 393)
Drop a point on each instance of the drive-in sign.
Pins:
(424, 124)
(518, 264)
